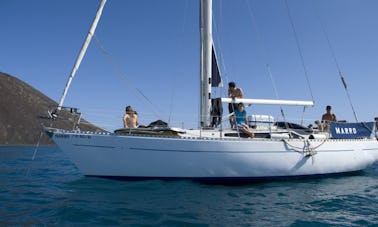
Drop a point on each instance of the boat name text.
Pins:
(73, 136)
(345, 130)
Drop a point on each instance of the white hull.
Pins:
(212, 154)
(140, 156)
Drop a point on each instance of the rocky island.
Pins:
(24, 113)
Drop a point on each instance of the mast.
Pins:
(206, 47)
(82, 52)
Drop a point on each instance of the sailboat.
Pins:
(216, 153)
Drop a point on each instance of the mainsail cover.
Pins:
(216, 79)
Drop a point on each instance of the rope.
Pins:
(306, 147)
(34, 153)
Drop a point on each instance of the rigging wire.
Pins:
(218, 30)
(301, 56)
(173, 91)
(265, 52)
(337, 65)
(299, 49)
(138, 94)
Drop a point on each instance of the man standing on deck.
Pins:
(233, 92)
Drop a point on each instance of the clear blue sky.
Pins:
(154, 51)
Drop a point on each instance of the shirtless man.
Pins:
(326, 119)
(233, 92)
(130, 119)
(329, 116)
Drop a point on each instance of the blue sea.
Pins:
(50, 190)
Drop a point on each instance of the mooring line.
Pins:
(34, 153)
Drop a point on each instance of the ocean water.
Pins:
(51, 191)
